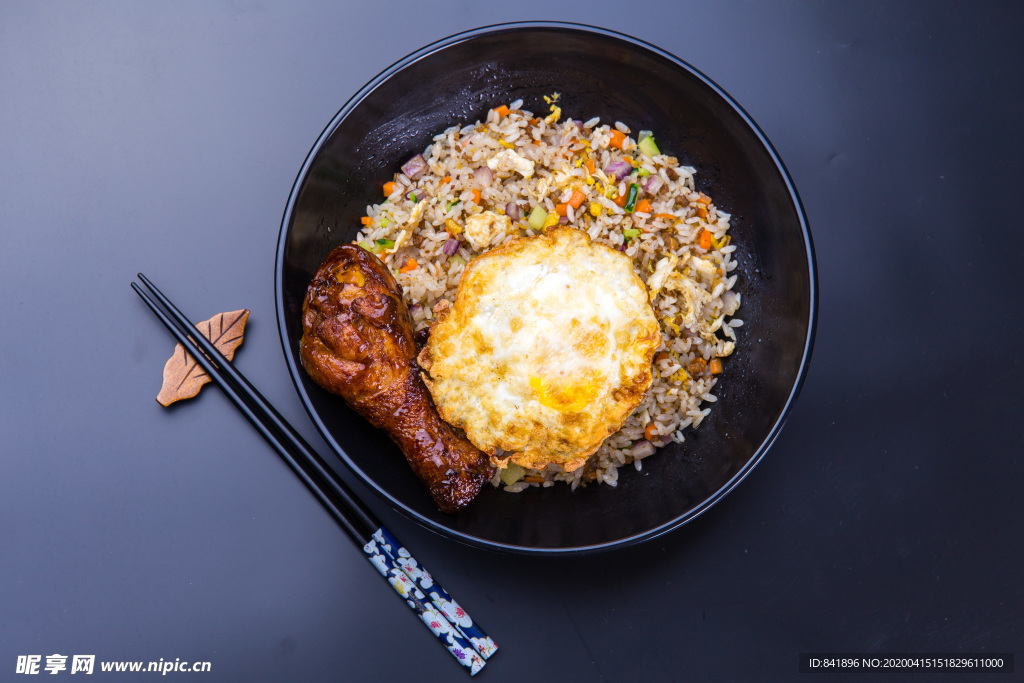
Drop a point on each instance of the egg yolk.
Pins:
(565, 398)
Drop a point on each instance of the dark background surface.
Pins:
(886, 518)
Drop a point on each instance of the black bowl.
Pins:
(598, 73)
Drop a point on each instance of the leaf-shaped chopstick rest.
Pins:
(183, 378)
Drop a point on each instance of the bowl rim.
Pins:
(463, 537)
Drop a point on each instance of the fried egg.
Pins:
(546, 350)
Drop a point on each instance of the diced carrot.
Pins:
(660, 356)
(476, 196)
(628, 159)
(643, 206)
(618, 137)
(409, 265)
(576, 199)
(446, 179)
(703, 199)
(591, 166)
(666, 216)
(365, 220)
(705, 240)
(389, 188)
(502, 111)
(649, 431)
(620, 201)
(715, 366)
(533, 480)
(702, 212)
(562, 209)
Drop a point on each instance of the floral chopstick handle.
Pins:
(438, 596)
(449, 636)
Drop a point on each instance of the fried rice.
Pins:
(634, 198)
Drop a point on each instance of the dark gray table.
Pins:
(887, 517)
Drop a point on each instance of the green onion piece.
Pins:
(384, 222)
(450, 204)
(643, 173)
(511, 474)
(387, 244)
(412, 196)
(537, 217)
(456, 259)
(631, 233)
(648, 147)
(634, 190)
(367, 245)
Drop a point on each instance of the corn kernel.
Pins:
(595, 209)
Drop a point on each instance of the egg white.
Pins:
(546, 350)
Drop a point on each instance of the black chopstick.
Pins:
(350, 512)
(445, 618)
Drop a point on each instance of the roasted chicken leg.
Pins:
(357, 342)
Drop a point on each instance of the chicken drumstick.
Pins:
(357, 342)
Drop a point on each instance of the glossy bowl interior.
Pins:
(456, 81)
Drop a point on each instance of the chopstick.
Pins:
(463, 638)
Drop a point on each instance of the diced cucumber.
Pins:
(648, 147)
(634, 191)
(537, 217)
(511, 474)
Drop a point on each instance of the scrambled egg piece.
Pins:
(694, 297)
(482, 227)
(546, 350)
(506, 161)
(556, 111)
(660, 275)
(407, 229)
(542, 189)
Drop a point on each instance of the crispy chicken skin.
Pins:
(357, 342)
